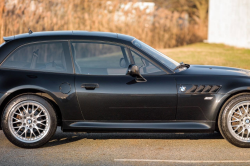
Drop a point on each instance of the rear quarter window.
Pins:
(49, 56)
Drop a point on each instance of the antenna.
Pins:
(30, 31)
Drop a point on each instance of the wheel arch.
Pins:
(8, 96)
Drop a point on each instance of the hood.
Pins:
(215, 70)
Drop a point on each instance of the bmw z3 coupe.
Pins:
(108, 82)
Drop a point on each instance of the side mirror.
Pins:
(123, 63)
(133, 71)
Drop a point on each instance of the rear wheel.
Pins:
(234, 120)
(29, 121)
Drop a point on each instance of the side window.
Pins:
(99, 58)
(144, 65)
(40, 56)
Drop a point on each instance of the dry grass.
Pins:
(160, 28)
(210, 54)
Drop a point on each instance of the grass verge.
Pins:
(210, 54)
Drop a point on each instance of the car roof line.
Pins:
(61, 33)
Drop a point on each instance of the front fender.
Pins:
(220, 101)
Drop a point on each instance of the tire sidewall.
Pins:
(7, 130)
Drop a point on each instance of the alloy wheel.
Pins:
(29, 121)
(239, 121)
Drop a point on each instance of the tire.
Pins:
(234, 120)
(29, 121)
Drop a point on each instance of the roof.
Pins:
(68, 33)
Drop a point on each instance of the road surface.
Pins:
(126, 149)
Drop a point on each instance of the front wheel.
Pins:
(234, 120)
(29, 121)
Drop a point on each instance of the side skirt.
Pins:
(133, 126)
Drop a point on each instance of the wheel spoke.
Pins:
(244, 109)
(17, 122)
(19, 129)
(35, 110)
(37, 130)
(235, 120)
(41, 116)
(240, 111)
(17, 119)
(25, 134)
(28, 109)
(41, 121)
(25, 111)
(235, 117)
(22, 112)
(38, 115)
(237, 128)
(31, 133)
(41, 124)
(241, 131)
(18, 114)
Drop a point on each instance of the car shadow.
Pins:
(61, 138)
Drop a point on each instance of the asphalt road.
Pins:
(127, 149)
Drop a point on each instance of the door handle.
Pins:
(90, 86)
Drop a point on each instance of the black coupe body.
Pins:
(106, 82)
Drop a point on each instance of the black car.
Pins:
(108, 82)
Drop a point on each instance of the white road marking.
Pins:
(186, 161)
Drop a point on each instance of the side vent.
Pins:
(200, 88)
(207, 88)
(214, 89)
(191, 90)
(203, 89)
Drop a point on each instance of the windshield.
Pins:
(170, 63)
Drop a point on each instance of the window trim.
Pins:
(118, 44)
(124, 53)
(45, 71)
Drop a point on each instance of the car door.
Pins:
(105, 92)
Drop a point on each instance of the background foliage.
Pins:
(171, 23)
